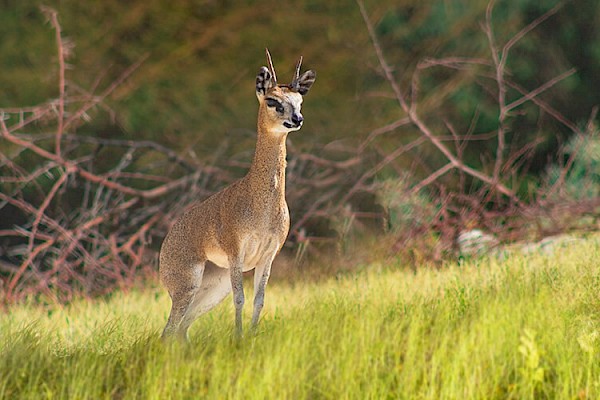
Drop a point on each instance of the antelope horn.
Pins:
(271, 69)
(297, 74)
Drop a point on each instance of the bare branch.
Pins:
(431, 178)
(42, 209)
(499, 64)
(52, 15)
(382, 130)
(107, 92)
(536, 92)
(387, 71)
(531, 26)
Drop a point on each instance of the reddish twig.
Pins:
(52, 16)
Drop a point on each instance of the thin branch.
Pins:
(499, 64)
(147, 194)
(387, 71)
(52, 15)
(531, 26)
(546, 107)
(42, 209)
(452, 62)
(23, 267)
(107, 92)
(382, 130)
(536, 92)
(359, 184)
(432, 177)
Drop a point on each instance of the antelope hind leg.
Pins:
(215, 286)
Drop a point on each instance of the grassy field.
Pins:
(526, 327)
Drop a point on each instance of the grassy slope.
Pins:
(523, 328)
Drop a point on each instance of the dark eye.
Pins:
(275, 103)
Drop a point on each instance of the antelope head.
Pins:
(281, 103)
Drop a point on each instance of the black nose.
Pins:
(297, 119)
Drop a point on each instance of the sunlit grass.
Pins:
(526, 327)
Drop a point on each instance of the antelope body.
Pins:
(240, 228)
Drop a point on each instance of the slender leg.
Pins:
(261, 277)
(175, 326)
(237, 285)
(182, 297)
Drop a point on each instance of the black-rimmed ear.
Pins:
(264, 81)
(305, 81)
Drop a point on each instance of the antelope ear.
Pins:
(264, 81)
(305, 81)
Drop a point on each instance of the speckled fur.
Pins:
(240, 228)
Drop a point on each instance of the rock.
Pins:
(476, 243)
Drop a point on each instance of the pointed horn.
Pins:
(270, 65)
(297, 74)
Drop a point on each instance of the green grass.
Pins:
(526, 327)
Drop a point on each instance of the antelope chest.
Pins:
(253, 227)
(260, 246)
(260, 250)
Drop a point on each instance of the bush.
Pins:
(582, 180)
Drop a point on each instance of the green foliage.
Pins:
(582, 181)
(406, 209)
(532, 371)
(523, 328)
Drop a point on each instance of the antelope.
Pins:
(241, 227)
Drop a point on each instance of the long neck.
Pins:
(267, 171)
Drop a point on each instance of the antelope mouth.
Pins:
(291, 125)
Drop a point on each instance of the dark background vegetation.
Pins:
(195, 90)
(194, 94)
